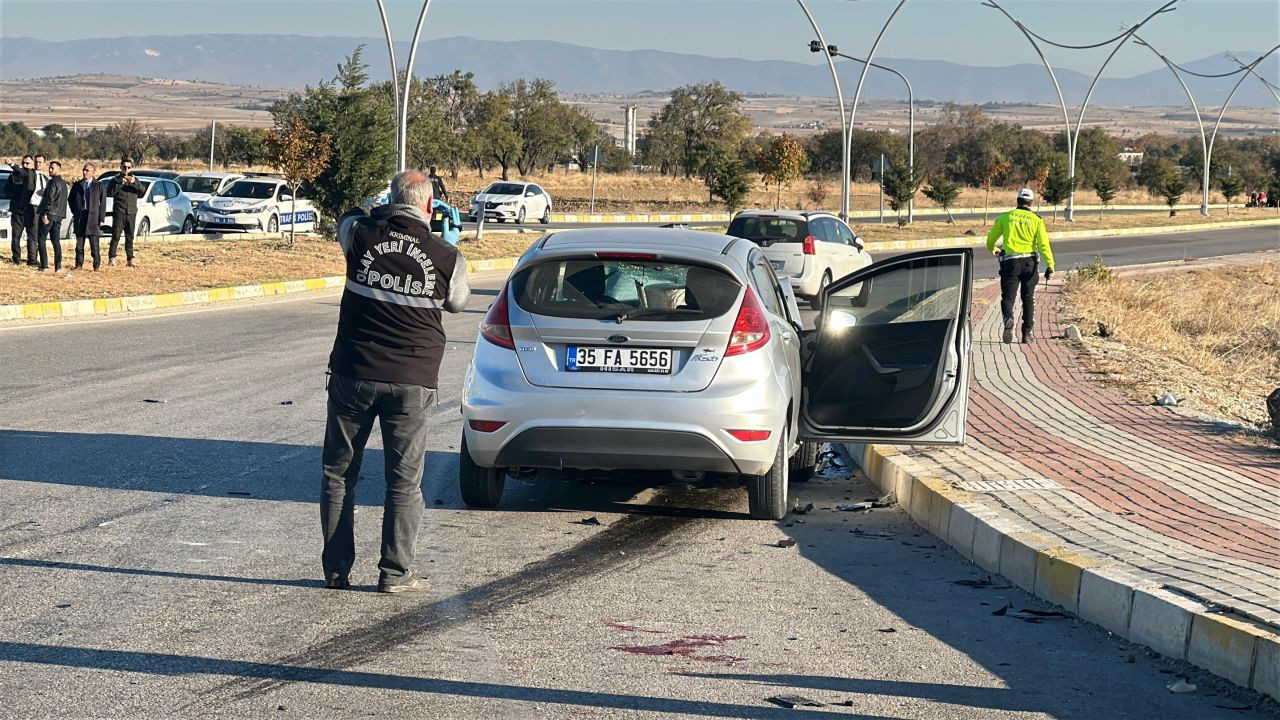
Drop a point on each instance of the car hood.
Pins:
(226, 203)
(486, 197)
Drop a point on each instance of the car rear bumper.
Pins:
(593, 429)
(807, 281)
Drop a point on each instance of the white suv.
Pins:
(811, 248)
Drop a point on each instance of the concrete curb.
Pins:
(141, 303)
(1088, 586)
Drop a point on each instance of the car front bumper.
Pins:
(499, 213)
(214, 221)
(593, 429)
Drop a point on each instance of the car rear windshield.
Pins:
(205, 185)
(606, 289)
(4, 186)
(504, 189)
(775, 229)
(252, 190)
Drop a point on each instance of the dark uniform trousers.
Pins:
(1018, 276)
(122, 221)
(87, 230)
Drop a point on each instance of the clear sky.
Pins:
(961, 31)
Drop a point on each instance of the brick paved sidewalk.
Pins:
(1170, 500)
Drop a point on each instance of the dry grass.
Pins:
(1210, 336)
(174, 267)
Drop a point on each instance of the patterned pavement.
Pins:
(1170, 498)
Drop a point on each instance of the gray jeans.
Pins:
(402, 412)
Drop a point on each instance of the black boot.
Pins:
(1027, 337)
(1008, 330)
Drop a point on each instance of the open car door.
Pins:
(889, 360)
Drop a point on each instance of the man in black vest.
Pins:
(384, 365)
(88, 211)
(49, 215)
(124, 191)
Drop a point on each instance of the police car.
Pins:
(446, 221)
(256, 204)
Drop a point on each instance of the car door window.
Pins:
(821, 229)
(281, 192)
(762, 279)
(846, 235)
(889, 359)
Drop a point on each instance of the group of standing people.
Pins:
(40, 200)
(1261, 199)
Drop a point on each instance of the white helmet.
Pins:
(1026, 194)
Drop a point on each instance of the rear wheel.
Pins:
(188, 225)
(804, 461)
(767, 493)
(480, 486)
(816, 302)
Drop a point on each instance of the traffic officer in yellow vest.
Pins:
(1025, 242)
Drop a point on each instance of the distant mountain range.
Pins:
(295, 61)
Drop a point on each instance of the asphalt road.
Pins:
(159, 548)
(889, 217)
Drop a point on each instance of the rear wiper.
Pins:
(646, 312)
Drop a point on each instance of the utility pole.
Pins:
(401, 96)
(213, 132)
(911, 125)
(820, 45)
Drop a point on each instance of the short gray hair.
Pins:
(411, 187)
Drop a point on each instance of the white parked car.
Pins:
(256, 204)
(161, 209)
(517, 201)
(198, 187)
(811, 248)
(5, 171)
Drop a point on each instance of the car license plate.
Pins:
(777, 264)
(646, 361)
(223, 220)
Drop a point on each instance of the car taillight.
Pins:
(486, 426)
(496, 327)
(751, 329)
(750, 435)
(809, 247)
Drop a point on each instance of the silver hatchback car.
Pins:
(663, 349)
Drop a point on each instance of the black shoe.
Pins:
(417, 584)
(338, 583)
(111, 261)
(129, 263)
(1008, 330)
(1027, 337)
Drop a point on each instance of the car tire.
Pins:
(520, 216)
(480, 486)
(767, 493)
(546, 215)
(816, 302)
(273, 225)
(144, 228)
(188, 225)
(804, 461)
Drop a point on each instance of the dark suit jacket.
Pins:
(96, 213)
(22, 185)
(54, 202)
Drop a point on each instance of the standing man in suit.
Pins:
(125, 191)
(51, 211)
(37, 180)
(20, 185)
(88, 201)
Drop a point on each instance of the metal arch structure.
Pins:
(829, 51)
(1250, 68)
(911, 122)
(1073, 136)
(866, 67)
(1254, 72)
(400, 95)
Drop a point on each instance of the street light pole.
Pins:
(401, 98)
(1073, 137)
(844, 124)
(866, 66)
(911, 123)
(1225, 103)
(1250, 69)
(1204, 143)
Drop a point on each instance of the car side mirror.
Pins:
(155, 199)
(857, 242)
(528, 194)
(286, 198)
